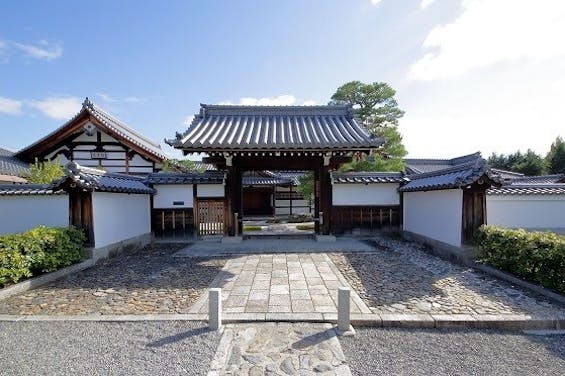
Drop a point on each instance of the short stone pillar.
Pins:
(343, 308)
(215, 308)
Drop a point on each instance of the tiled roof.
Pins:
(208, 177)
(28, 190)
(540, 179)
(419, 166)
(91, 179)
(236, 128)
(258, 180)
(528, 189)
(466, 172)
(10, 165)
(113, 124)
(505, 174)
(367, 177)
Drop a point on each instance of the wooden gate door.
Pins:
(210, 219)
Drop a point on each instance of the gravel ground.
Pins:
(146, 280)
(98, 348)
(374, 351)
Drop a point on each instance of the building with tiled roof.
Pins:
(12, 170)
(94, 138)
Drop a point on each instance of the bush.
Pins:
(535, 256)
(39, 250)
(304, 227)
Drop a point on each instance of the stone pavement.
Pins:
(280, 283)
(279, 349)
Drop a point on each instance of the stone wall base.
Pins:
(114, 249)
(464, 254)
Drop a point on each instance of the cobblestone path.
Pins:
(400, 277)
(279, 349)
(147, 280)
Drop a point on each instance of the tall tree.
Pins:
(555, 158)
(376, 107)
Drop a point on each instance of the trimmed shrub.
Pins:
(39, 250)
(538, 257)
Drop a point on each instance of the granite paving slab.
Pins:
(280, 283)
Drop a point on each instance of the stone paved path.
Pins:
(279, 349)
(280, 283)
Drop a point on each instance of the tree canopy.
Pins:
(179, 165)
(529, 163)
(376, 107)
(555, 159)
(45, 172)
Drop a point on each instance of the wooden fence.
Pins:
(173, 222)
(347, 219)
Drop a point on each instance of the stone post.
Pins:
(215, 308)
(343, 308)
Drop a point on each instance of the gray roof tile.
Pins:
(91, 179)
(258, 180)
(367, 177)
(422, 165)
(236, 128)
(528, 189)
(208, 177)
(466, 172)
(29, 190)
(10, 165)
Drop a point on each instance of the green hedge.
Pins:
(535, 256)
(39, 250)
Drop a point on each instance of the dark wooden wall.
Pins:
(348, 219)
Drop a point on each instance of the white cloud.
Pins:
(42, 51)
(188, 120)
(59, 108)
(10, 106)
(426, 3)
(281, 100)
(492, 31)
(375, 2)
(129, 99)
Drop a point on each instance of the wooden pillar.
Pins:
(317, 199)
(233, 197)
(325, 199)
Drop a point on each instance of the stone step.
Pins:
(309, 236)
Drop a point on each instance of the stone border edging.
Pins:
(384, 320)
(43, 279)
(524, 284)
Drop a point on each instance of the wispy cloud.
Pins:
(375, 2)
(129, 99)
(492, 31)
(10, 106)
(43, 50)
(59, 108)
(281, 100)
(426, 3)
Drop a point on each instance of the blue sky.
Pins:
(485, 75)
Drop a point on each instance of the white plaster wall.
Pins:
(119, 216)
(167, 194)
(361, 194)
(21, 213)
(435, 214)
(210, 190)
(527, 211)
